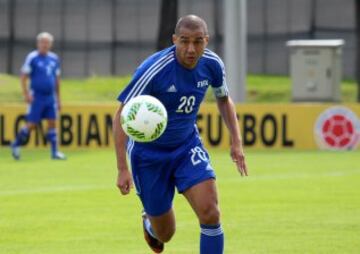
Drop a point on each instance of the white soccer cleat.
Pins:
(58, 156)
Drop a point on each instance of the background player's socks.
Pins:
(20, 140)
(211, 239)
(52, 138)
(21, 137)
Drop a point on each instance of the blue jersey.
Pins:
(181, 90)
(43, 71)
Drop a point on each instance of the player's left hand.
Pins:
(124, 182)
(59, 106)
(238, 156)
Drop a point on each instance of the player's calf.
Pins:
(163, 226)
(203, 199)
(20, 140)
(165, 234)
(150, 237)
(212, 235)
(21, 137)
(52, 138)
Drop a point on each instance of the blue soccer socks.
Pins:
(52, 138)
(21, 137)
(211, 239)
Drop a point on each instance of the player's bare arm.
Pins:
(58, 92)
(124, 179)
(24, 86)
(228, 113)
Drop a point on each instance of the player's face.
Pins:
(190, 45)
(44, 45)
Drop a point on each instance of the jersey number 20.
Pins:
(186, 104)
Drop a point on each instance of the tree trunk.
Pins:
(11, 39)
(168, 19)
(313, 19)
(357, 69)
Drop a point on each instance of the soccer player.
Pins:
(42, 67)
(178, 76)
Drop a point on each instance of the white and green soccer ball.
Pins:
(144, 118)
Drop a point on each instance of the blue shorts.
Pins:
(157, 171)
(41, 109)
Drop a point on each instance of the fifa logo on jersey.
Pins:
(202, 83)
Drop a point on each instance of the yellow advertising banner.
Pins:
(263, 126)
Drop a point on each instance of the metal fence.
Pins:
(111, 37)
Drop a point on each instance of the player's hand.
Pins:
(238, 157)
(59, 106)
(124, 181)
(28, 98)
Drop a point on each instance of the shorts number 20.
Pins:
(198, 155)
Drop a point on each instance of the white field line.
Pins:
(53, 189)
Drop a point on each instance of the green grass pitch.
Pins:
(293, 202)
(259, 89)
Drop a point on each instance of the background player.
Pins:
(43, 97)
(179, 77)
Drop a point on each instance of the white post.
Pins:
(235, 14)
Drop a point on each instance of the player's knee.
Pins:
(210, 214)
(51, 125)
(31, 126)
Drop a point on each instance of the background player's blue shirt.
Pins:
(181, 90)
(42, 70)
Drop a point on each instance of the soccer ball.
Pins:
(144, 118)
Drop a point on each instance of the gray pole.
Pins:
(235, 14)
(11, 39)
(113, 37)
(357, 68)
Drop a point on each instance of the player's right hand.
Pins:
(124, 181)
(28, 98)
(238, 157)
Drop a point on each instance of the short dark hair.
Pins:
(191, 22)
